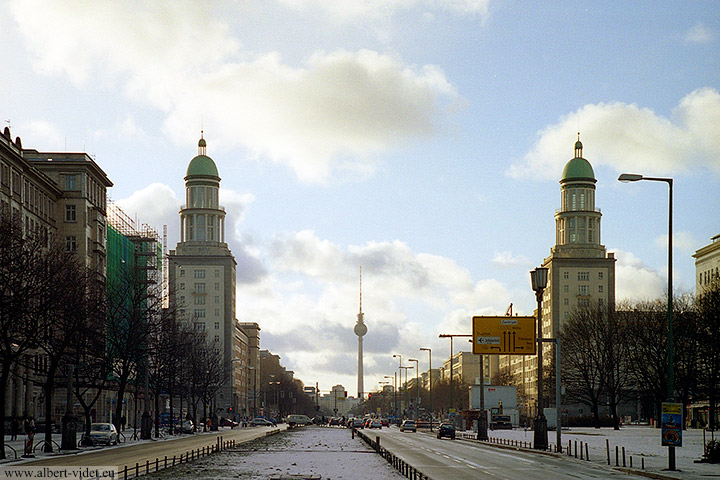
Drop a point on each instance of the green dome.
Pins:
(578, 169)
(202, 165)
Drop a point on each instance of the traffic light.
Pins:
(369, 396)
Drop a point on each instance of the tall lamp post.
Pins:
(399, 357)
(406, 368)
(432, 413)
(633, 177)
(417, 386)
(538, 278)
(394, 391)
(451, 336)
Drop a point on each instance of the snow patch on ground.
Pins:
(311, 452)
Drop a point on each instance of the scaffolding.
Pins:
(145, 240)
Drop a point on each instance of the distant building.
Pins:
(707, 264)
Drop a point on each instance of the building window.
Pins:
(182, 299)
(199, 300)
(71, 243)
(217, 286)
(217, 338)
(71, 182)
(199, 288)
(600, 275)
(182, 286)
(199, 313)
(566, 275)
(601, 288)
(217, 272)
(182, 271)
(217, 312)
(217, 299)
(583, 276)
(199, 326)
(217, 325)
(70, 213)
(199, 273)
(582, 289)
(566, 301)
(566, 288)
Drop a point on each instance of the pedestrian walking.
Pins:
(14, 428)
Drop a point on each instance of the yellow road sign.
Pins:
(504, 335)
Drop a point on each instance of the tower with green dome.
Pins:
(202, 281)
(581, 273)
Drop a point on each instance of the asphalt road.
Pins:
(143, 452)
(445, 459)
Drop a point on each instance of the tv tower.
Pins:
(360, 330)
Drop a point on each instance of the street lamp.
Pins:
(406, 383)
(432, 414)
(633, 177)
(417, 386)
(399, 357)
(394, 391)
(451, 336)
(538, 278)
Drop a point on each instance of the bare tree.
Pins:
(647, 328)
(582, 359)
(133, 312)
(31, 267)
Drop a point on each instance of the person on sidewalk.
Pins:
(14, 428)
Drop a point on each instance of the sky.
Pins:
(422, 140)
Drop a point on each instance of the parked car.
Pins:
(293, 420)
(375, 423)
(227, 422)
(408, 425)
(101, 433)
(446, 430)
(262, 422)
(186, 426)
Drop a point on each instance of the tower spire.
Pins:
(360, 330)
(360, 289)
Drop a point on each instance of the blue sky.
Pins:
(421, 139)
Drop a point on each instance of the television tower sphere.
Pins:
(360, 329)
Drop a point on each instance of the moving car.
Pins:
(356, 423)
(446, 430)
(375, 423)
(408, 425)
(102, 433)
(293, 420)
(262, 422)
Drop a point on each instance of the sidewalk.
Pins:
(129, 452)
(640, 442)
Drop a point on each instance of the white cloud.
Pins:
(154, 205)
(42, 135)
(328, 117)
(635, 281)
(684, 241)
(352, 10)
(699, 33)
(126, 129)
(310, 298)
(508, 260)
(626, 137)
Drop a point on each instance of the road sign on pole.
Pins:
(504, 335)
